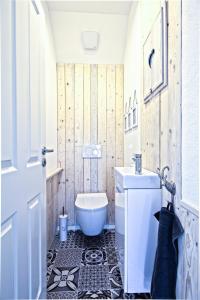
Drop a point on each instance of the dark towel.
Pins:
(163, 284)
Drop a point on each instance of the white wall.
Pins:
(132, 80)
(67, 28)
(190, 102)
(50, 94)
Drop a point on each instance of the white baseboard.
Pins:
(109, 226)
(77, 227)
(73, 227)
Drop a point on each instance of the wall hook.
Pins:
(163, 176)
(170, 186)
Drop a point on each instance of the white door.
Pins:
(23, 177)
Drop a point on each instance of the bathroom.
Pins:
(99, 131)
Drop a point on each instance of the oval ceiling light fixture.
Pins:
(90, 40)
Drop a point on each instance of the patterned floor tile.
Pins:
(137, 296)
(55, 244)
(94, 278)
(74, 240)
(117, 294)
(94, 241)
(63, 279)
(69, 257)
(129, 296)
(85, 267)
(115, 277)
(51, 256)
(94, 295)
(94, 256)
(111, 255)
(62, 295)
(109, 238)
(49, 271)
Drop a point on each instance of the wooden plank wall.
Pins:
(52, 187)
(61, 134)
(69, 138)
(94, 128)
(161, 145)
(90, 110)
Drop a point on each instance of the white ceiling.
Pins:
(104, 7)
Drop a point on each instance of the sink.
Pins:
(126, 177)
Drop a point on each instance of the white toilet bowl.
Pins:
(91, 212)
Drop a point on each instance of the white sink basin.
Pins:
(126, 177)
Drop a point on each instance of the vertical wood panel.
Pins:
(102, 125)
(69, 117)
(89, 114)
(119, 160)
(94, 124)
(174, 93)
(61, 133)
(49, 210)
(87, 127)
(52, 187)
(110, 138)
(151, 134)
(78, 128)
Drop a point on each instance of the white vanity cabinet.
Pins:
(137, 199)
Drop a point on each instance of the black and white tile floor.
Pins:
(85, 268)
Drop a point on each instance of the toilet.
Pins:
(91, 212)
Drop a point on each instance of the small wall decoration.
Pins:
(134, 111)
(130, 115)
(126, 128)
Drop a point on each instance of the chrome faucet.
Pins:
(137, 158)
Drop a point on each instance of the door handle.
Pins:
(45, 150)
(150, 57)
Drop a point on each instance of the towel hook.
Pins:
(163, 176)
(169, 185)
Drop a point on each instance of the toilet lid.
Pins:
(91, 200)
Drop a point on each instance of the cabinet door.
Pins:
(141, 233)
(157, 57)
(147, 48)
